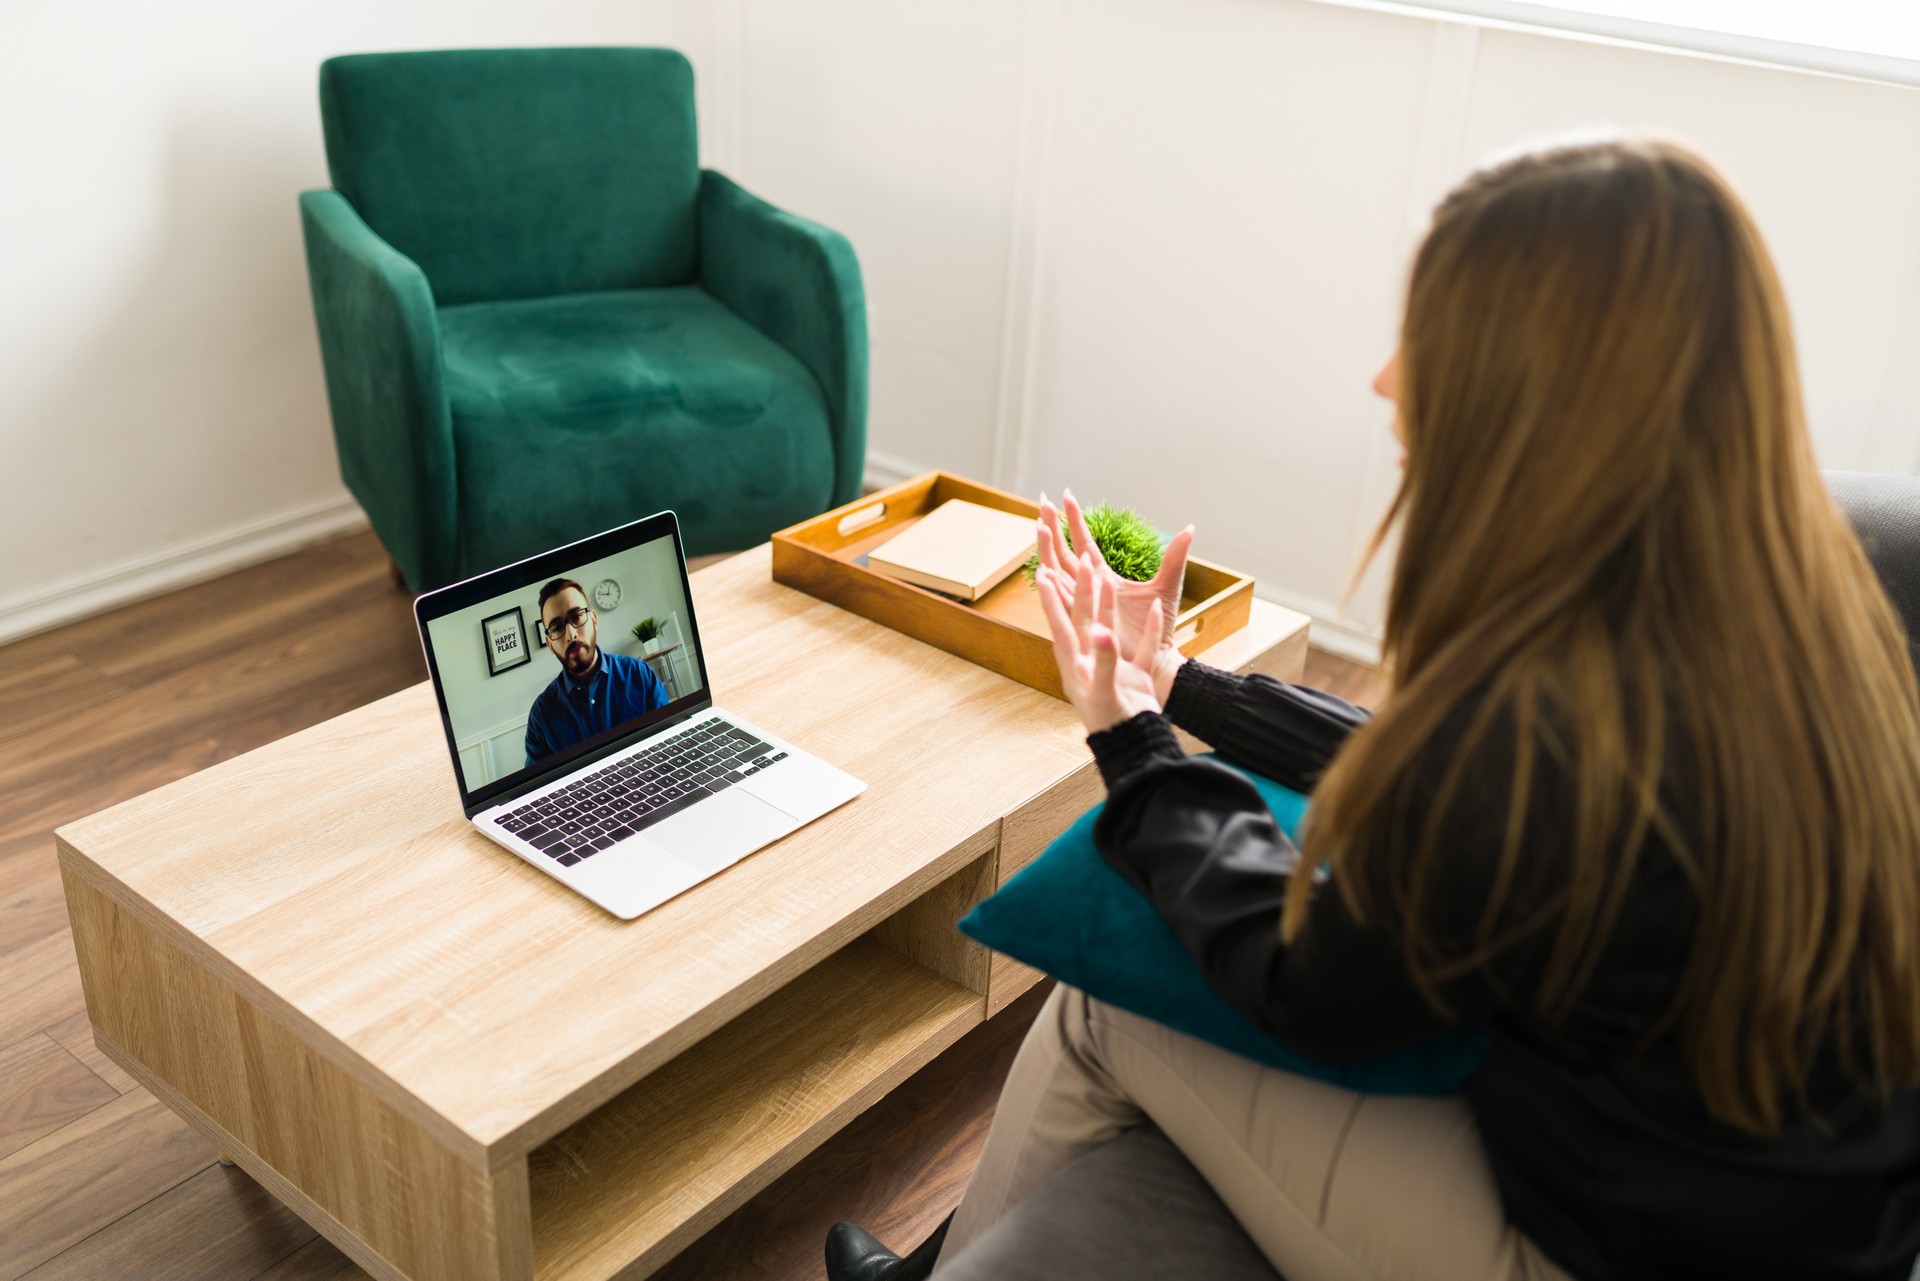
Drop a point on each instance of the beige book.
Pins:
(960, 548)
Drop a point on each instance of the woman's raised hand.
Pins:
(1131, 600)
(1105, 682)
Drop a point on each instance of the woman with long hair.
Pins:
(1643, 798)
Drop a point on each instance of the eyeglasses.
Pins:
(573, 620)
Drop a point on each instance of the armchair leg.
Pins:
(399, 579)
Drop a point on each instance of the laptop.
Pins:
(585, 739)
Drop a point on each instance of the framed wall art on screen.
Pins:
(506, 638)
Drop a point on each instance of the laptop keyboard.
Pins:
(595, 810)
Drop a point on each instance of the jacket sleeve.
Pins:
(1197, 840)
(1286, 732)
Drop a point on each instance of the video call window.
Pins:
(527, 678)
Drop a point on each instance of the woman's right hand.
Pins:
(1132, 601)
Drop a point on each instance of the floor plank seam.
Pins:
(117, 1091)
(46, 1265)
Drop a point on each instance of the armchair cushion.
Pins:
(1069, 914)
(574, 414)
(517, 173)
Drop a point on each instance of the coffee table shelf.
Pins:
(638, 1180)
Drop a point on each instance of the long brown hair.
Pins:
(1612, 523)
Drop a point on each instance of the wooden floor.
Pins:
(97, 1179)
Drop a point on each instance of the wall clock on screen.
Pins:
(606, 594)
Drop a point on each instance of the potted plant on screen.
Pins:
(647, 632)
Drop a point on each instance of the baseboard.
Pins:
(885, 469)
(1331, 631)
(191, 562)
(1345, 641)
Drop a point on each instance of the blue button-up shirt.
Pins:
(570, 711)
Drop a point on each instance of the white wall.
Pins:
(1151, 248)
(162, 414)
(1154, 248)
(1832, 170)
(1221, 271)
(892, 123)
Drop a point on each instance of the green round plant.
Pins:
(1128, 541)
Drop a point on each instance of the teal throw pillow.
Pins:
(1070, 915)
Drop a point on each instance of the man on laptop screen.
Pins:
(636, 786)
(595, 690)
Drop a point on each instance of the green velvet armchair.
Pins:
(540, 318)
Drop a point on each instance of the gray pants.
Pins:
(1329, 1184)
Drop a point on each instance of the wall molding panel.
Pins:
(1440, 159)
(1043, 34)
(714, 34)
(180, 566)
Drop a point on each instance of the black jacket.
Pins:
(1603, 1151)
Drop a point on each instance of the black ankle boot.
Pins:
(853, 1255)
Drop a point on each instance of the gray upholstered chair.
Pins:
(1885, 513)
(1134, 1209)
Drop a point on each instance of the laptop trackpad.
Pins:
(720, 831)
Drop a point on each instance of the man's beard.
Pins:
(586, 656)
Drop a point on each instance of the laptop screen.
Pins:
(539, 664)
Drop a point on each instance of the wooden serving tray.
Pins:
(1005, 630)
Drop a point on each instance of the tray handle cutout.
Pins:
(855, 521)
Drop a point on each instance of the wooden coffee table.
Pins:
(453, 1067)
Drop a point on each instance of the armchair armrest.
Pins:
(798, 283)
(380, 345)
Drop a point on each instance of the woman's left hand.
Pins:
(1104, 685)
